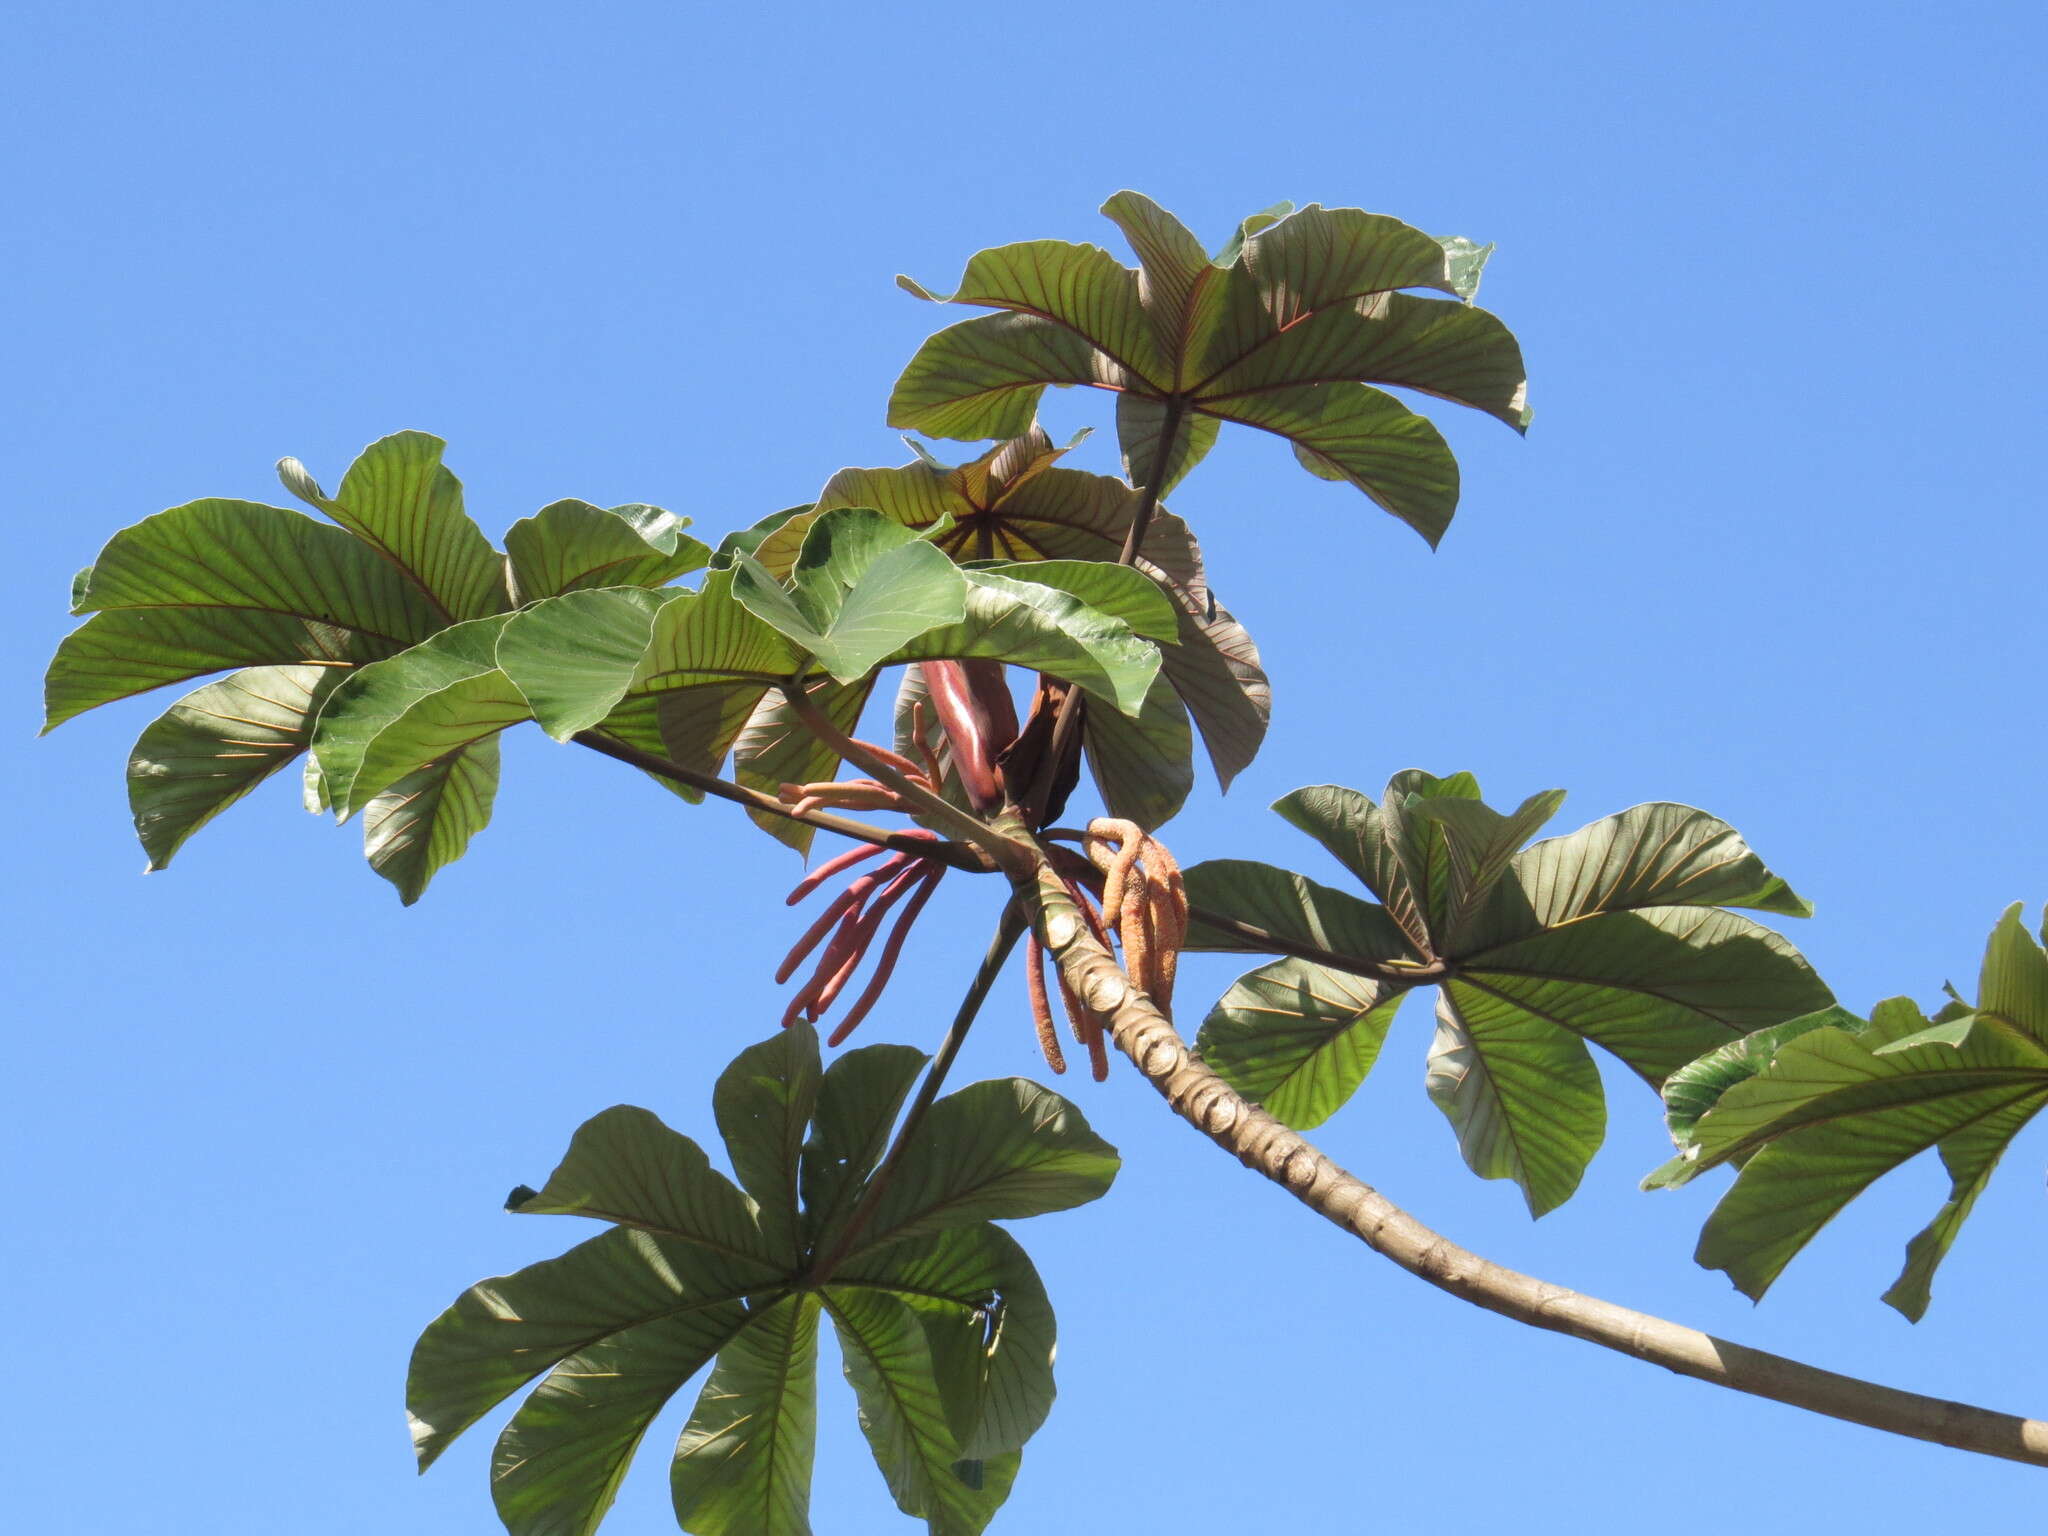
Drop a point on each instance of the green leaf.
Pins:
(743, 1464)
(858, 1100)
(1450, 350)
(1657, 987)
(746, 541)
(1522, 1094)
(1835, 1110)
(502, 1333)
(1360, 436)
(1143, 768)
(707, 637)
(1534, 953)
(1290, 907)
(572, 658)
(1697, 1086)
(1298, 1038)
(889, 1364)
(1011, 503)
(218, 584)
(1465, 261)
(570, 545)
(862, 587)
(1287, 331)
(215, 745)
(994, 1151)
(557, 1466)
(1215, 670)
(1082, 288)
(1028, 624)
(983, 378)
(956, 1330)
(763, 1102)
(423, 821)
(1115, 591)
(1656, 855)
(397, 716)
(1399, 853)
(399, 499)
(2013, 983)
(1479, 843)
(625, 1166)
(1141, 422)
(988, 1324)
(775, 748)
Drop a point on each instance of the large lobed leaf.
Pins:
(300, 606)
(1818, 1109)
(945, 1328)
(1014, 505)
(1288, 329)
(1615, 935)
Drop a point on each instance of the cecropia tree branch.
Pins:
(1267, 1147)
(957, 855)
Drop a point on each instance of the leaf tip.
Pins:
(297, 479)
(520, 1196)
(917, 290)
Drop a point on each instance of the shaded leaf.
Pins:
(763, 1102)
(858, 1100)
(994, 1151)
(1522, 1094)
(988, 1325)
(743, 1464)
(1289, 907)
(1534, 952)
(396, 716)
(889, 1364)
(215, 745)
(1143, 768)
(625, 1166)
(502, 1333)
(423, 821)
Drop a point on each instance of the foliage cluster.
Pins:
(1033, 619)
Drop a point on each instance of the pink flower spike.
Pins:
(838, 864)
(886, 965)
(851, 896)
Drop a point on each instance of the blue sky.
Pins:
(1772, 547)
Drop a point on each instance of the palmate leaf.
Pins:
(945, 1327)
(1615, 935)
(1829, 1104)
(300, 605)
(1287, 330)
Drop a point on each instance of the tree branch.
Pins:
(957, 855)
(1269, 1148)
(1009, 929)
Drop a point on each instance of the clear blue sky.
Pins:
(1774, 547)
